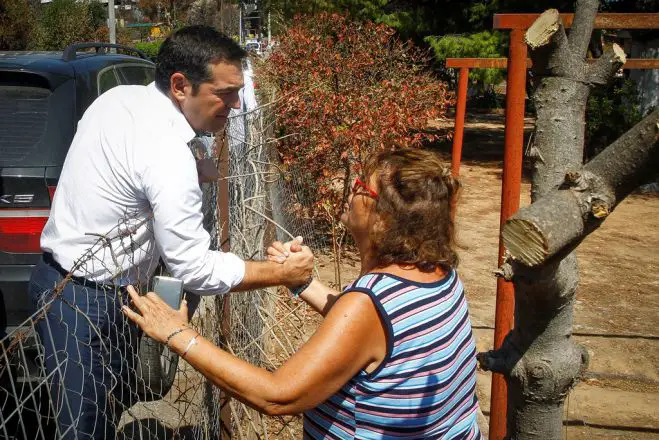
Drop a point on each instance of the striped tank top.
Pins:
(425, 387)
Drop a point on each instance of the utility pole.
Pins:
(221, 9)
(112, 24)
(269, 32)
(240, 24)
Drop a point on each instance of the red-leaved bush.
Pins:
(346, 90)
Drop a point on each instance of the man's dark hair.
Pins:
(190, 51)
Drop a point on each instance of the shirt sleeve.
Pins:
(170, 183)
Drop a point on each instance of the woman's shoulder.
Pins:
(364, 282)
(393, 277)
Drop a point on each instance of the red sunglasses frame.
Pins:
(358, 183)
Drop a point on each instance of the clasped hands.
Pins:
(278, 252)
(297, 261)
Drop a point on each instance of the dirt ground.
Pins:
(617, 301)
(618, 297)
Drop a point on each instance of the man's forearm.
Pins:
(294, 271)
(259, 274)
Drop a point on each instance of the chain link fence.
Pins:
(146, 392)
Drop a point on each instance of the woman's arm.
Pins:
(350, 339)
(320, 297)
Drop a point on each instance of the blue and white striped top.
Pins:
(425, 387)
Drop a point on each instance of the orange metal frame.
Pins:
(502, 63)
(516, 64)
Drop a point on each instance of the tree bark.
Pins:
(539, 358)
(586, 197)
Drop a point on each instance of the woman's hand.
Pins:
(278, 251)
(157, 319)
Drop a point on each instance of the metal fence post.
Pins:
(225, 245)
(456, 153)
(512, 178)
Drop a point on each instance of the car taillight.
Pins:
(20, 231)
(51, 191)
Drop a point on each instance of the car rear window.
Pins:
(136, 74)
(36, 123)
(23, 118)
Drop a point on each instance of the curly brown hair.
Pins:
(415, 225)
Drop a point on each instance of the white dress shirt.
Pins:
(130, 176)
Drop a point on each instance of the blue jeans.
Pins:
(89, 352)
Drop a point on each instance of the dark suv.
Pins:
(42, 97)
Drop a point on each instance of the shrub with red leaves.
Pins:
(346, 90)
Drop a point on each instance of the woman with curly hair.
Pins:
(394, 356)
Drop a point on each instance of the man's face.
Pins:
(207, 110)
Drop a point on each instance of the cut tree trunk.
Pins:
(539, 358)
(585, 198)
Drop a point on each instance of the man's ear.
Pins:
(177, 86)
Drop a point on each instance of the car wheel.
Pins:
(156, 368)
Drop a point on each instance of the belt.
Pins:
(50, 261)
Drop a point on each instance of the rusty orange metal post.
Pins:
(480, 63)
(641, 63)
(458, 135)
(510, 192)
(456, 153)
(502, 63)
(602, 21)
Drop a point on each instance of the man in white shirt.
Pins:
(130, 177)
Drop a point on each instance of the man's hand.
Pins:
(207, 171)
(298, 266)
(289, 264)
(278, 251)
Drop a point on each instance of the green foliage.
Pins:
(61, 23)
(25, 25)
(484, 44)
(169, 11)
(98, 14)
(361, 9)
(488, 99)
(408, 24)
(610, 112)
(356, 9)
(17, 19)
(411, 19)
(415, 19)
(150, 48)
(347, 89)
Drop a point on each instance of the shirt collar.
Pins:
(172, 114)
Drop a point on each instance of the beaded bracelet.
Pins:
(175, 332)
